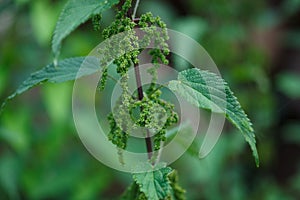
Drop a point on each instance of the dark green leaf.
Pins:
(209, 91)
(66, 70)
(75, 13)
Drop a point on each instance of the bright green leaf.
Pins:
(154, 184)
(75, 13)
(209, 91)
(66, 70)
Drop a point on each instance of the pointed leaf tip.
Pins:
(75, 13)
(65, 70)
(209, 91)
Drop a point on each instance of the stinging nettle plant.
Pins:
(160, 182)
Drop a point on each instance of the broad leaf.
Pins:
(75, 13)
(209, 91)
(66, 70)
(154, 184)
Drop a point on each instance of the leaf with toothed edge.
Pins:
(65, 70)
(75, 13)
(209, 91)
(154, 184)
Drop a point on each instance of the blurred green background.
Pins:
(255, 44)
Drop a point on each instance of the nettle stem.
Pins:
(135, 9)
(140, 88)
(140, 97)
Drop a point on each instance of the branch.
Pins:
(135, 9)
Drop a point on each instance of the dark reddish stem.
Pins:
(141, 96)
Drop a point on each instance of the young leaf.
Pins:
(209, 91)
(134, 192)
(75, 13)
(66, 70)
(154, 184)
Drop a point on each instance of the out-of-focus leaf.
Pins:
(288, 84)
(17, 140)
(75, 13)
(295, 181)
(291, 133)
(54, 93)
(14, 130)
(66, 70)
(21, 2)
(192, 27)
(92, 184)
(293, 39)
(9, 172)
(290, 7)
(42, 184)
(209, 91)
(43, 20)
(165, 11)
(3, 79)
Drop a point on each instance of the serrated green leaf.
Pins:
(154, 184)
(209, 91)
(75, 13)
(66, 70)
(134, 192)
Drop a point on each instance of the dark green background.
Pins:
(256, 45)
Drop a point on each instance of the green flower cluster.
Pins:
(155, 114)
(119, 119)
(156, 32)
(157, 35)
(172, 118)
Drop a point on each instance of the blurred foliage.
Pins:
(256, 46)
